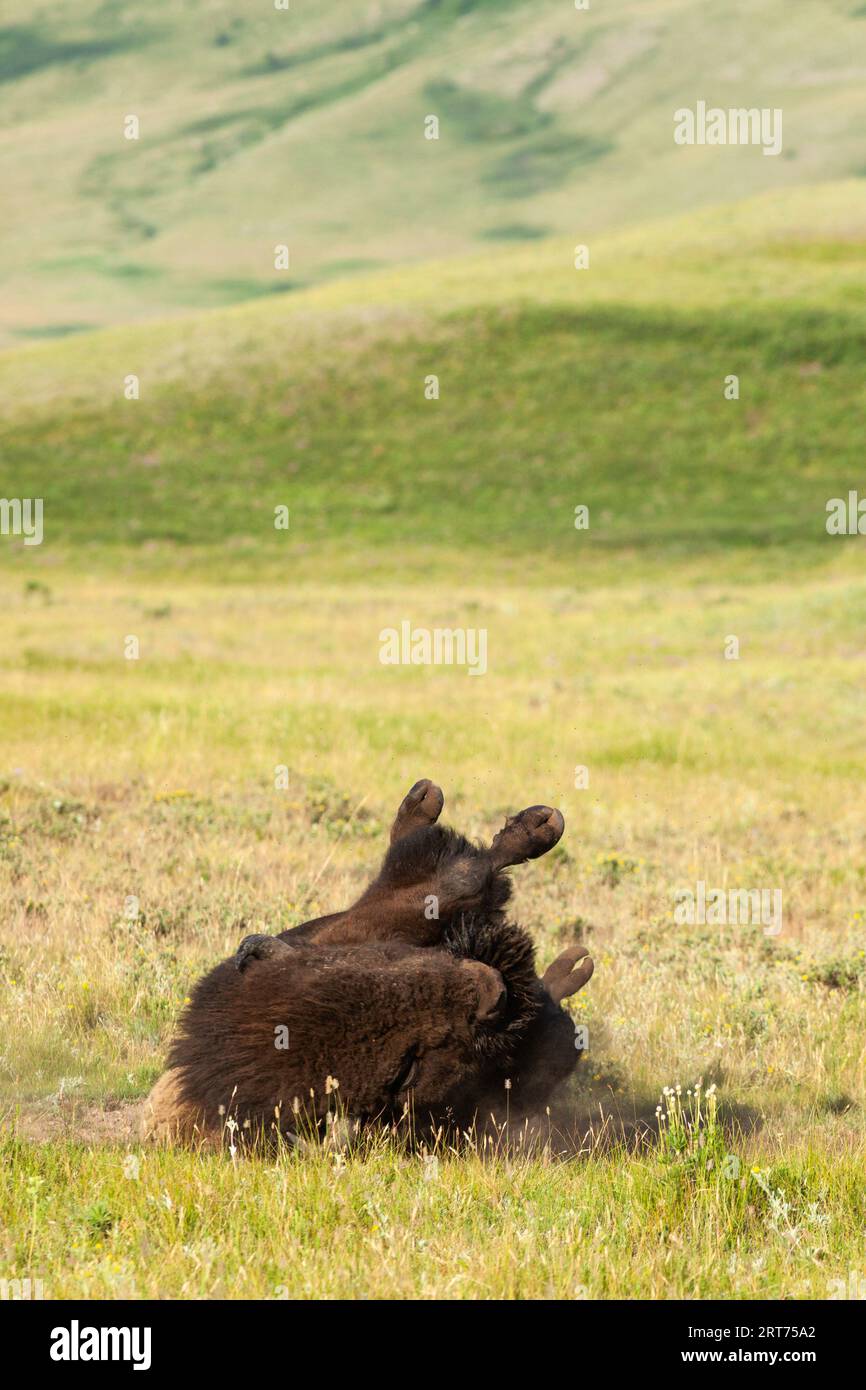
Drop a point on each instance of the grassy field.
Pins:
(141, 834)
(305, 128)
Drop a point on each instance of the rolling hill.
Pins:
(305, 128)
(556, 388)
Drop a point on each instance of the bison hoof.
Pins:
(528, 834)
(421, 806)
(257, 948)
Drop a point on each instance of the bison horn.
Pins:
(561, 979)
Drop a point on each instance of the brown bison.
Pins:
(421, 997)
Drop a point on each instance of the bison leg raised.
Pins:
(527, 835)
(420, 807)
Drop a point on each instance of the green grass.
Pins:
(306, 127)
(141, 833)
(330, 1226)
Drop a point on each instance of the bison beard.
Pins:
(400, 1009)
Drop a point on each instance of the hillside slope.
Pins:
(306, 128)
(557, 388)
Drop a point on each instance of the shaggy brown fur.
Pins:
(398, 1004)
(261, 1045)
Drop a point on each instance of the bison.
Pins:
(421, 997)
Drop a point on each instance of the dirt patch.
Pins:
(86, 1122)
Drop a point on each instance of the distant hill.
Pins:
(305, 127)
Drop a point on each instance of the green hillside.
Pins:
(557, 388)
(305, 127)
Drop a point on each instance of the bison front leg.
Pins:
(471, 880)
(432, 875)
